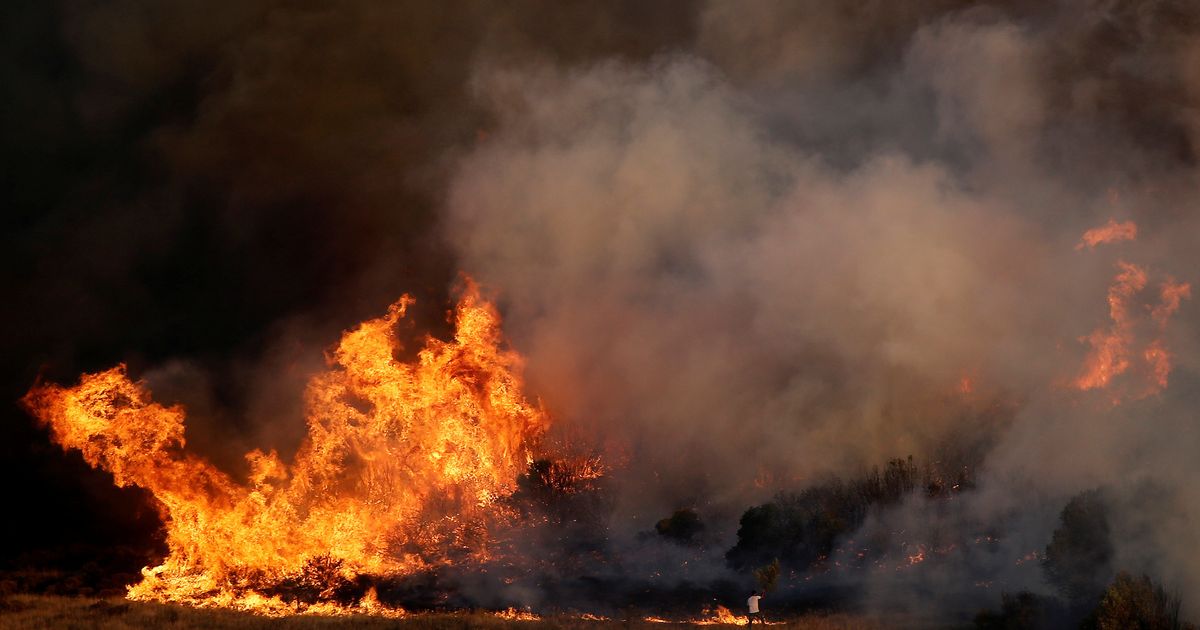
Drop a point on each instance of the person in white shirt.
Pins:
(752, 604)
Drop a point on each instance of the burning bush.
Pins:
(563, 505)
(320, 579)
(406, 466)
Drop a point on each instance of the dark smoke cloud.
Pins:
(742, 245)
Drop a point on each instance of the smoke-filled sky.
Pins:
(741, 245)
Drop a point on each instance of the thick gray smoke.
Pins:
(778, 253)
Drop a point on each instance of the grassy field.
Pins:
(49, 611)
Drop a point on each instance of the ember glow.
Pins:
(402, 467)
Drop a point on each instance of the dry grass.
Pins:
(48, 611)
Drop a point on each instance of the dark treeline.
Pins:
(801, 527)
(1090, 593)
(560, 541)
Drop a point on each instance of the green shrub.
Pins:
(1132, 603)
(767, 576)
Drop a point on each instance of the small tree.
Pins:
(767, 576)
(1021, 611)
(1078, 557)
(1137, 603)
(683, 526)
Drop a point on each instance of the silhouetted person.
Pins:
(752, 604)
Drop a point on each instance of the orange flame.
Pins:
(400, 467)
(1110, 348)
(1156, 355)
(720, 616)
(1110, 232)
(1110, 354)
(716, 616)
(512, 614)
(1171, 293)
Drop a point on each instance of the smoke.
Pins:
(774, 256)
(742, 246)
(678, 278)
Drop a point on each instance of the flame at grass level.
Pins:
(401, 468)
(717, 616)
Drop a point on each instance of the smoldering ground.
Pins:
(741, 246)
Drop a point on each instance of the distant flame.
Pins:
(512, 614)
(1171, 293)
(1112, 348)
(1110, 232)
(402, 465)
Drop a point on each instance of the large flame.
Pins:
(401, 468)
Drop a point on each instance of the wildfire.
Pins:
(512, 614)
(1171, 293)
(1112, 351)
(402, 466)
(721, 616)
(716, 616)
(1110, 347)
(1110, 232)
